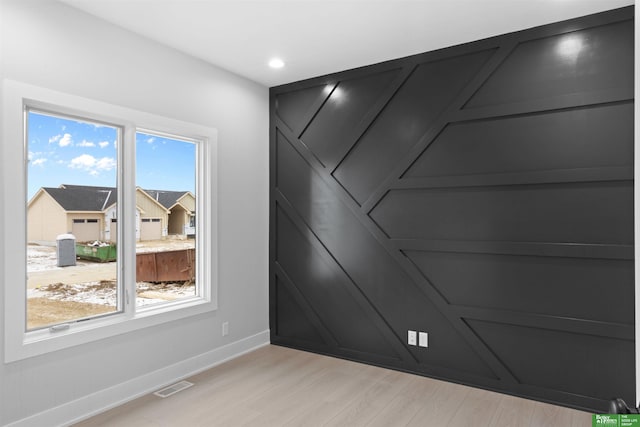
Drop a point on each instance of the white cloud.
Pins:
(151, 140)
(86, 143)
(54, 139)
(83, 161)
(35, 158)
(65, 140)
(92, 165)
(106, 163)
(103, 144)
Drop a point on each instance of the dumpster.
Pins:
(66, 250)
(168, 266)
(97, 251)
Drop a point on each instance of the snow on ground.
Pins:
(44, 258)
(104, 292)
(91, 292)
(40, 258)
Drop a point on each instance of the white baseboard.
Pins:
(103, 400)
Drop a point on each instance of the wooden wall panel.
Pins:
(565, 212)
(482, 193)
(407, 116)
(317, 280)
(567, 362)
(554, 66)
(558, 140)
(531, 284)
(330, 132)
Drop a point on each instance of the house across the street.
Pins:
(89, 213)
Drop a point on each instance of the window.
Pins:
(166, 180)
(126, 186)
(71, 167)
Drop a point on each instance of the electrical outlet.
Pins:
(423, 339)
(411, 338)
(225, 329)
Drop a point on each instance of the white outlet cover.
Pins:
(412, 338)
(423, 339)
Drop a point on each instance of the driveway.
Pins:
(81, 273)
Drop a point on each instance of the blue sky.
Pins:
(64, 151)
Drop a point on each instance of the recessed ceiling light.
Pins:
(276, 63)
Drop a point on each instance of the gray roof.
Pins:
(83, 198)
(166, 198)
(88, 198)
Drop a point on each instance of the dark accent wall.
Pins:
(482, 193)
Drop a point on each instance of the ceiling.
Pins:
(317, 37)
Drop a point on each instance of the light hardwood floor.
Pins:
(276, 386)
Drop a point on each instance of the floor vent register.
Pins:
(173, 389)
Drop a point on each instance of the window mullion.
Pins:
(127, 193)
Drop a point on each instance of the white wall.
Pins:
(51, 45)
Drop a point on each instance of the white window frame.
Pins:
(20, 344)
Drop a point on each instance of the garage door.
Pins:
(85, 230)
(151, 229)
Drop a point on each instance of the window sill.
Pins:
(44, 340)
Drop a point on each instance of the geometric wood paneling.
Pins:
(375, 279)
(532, 284)
(329, 133)
(597, 213)
(558, 360)
(482, 193)
(293, 322)
(293, 106)
(597, 59)
(408, 115)
(314, 279)
(560, 140)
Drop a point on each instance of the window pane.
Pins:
(71, 197)
(165, 216)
